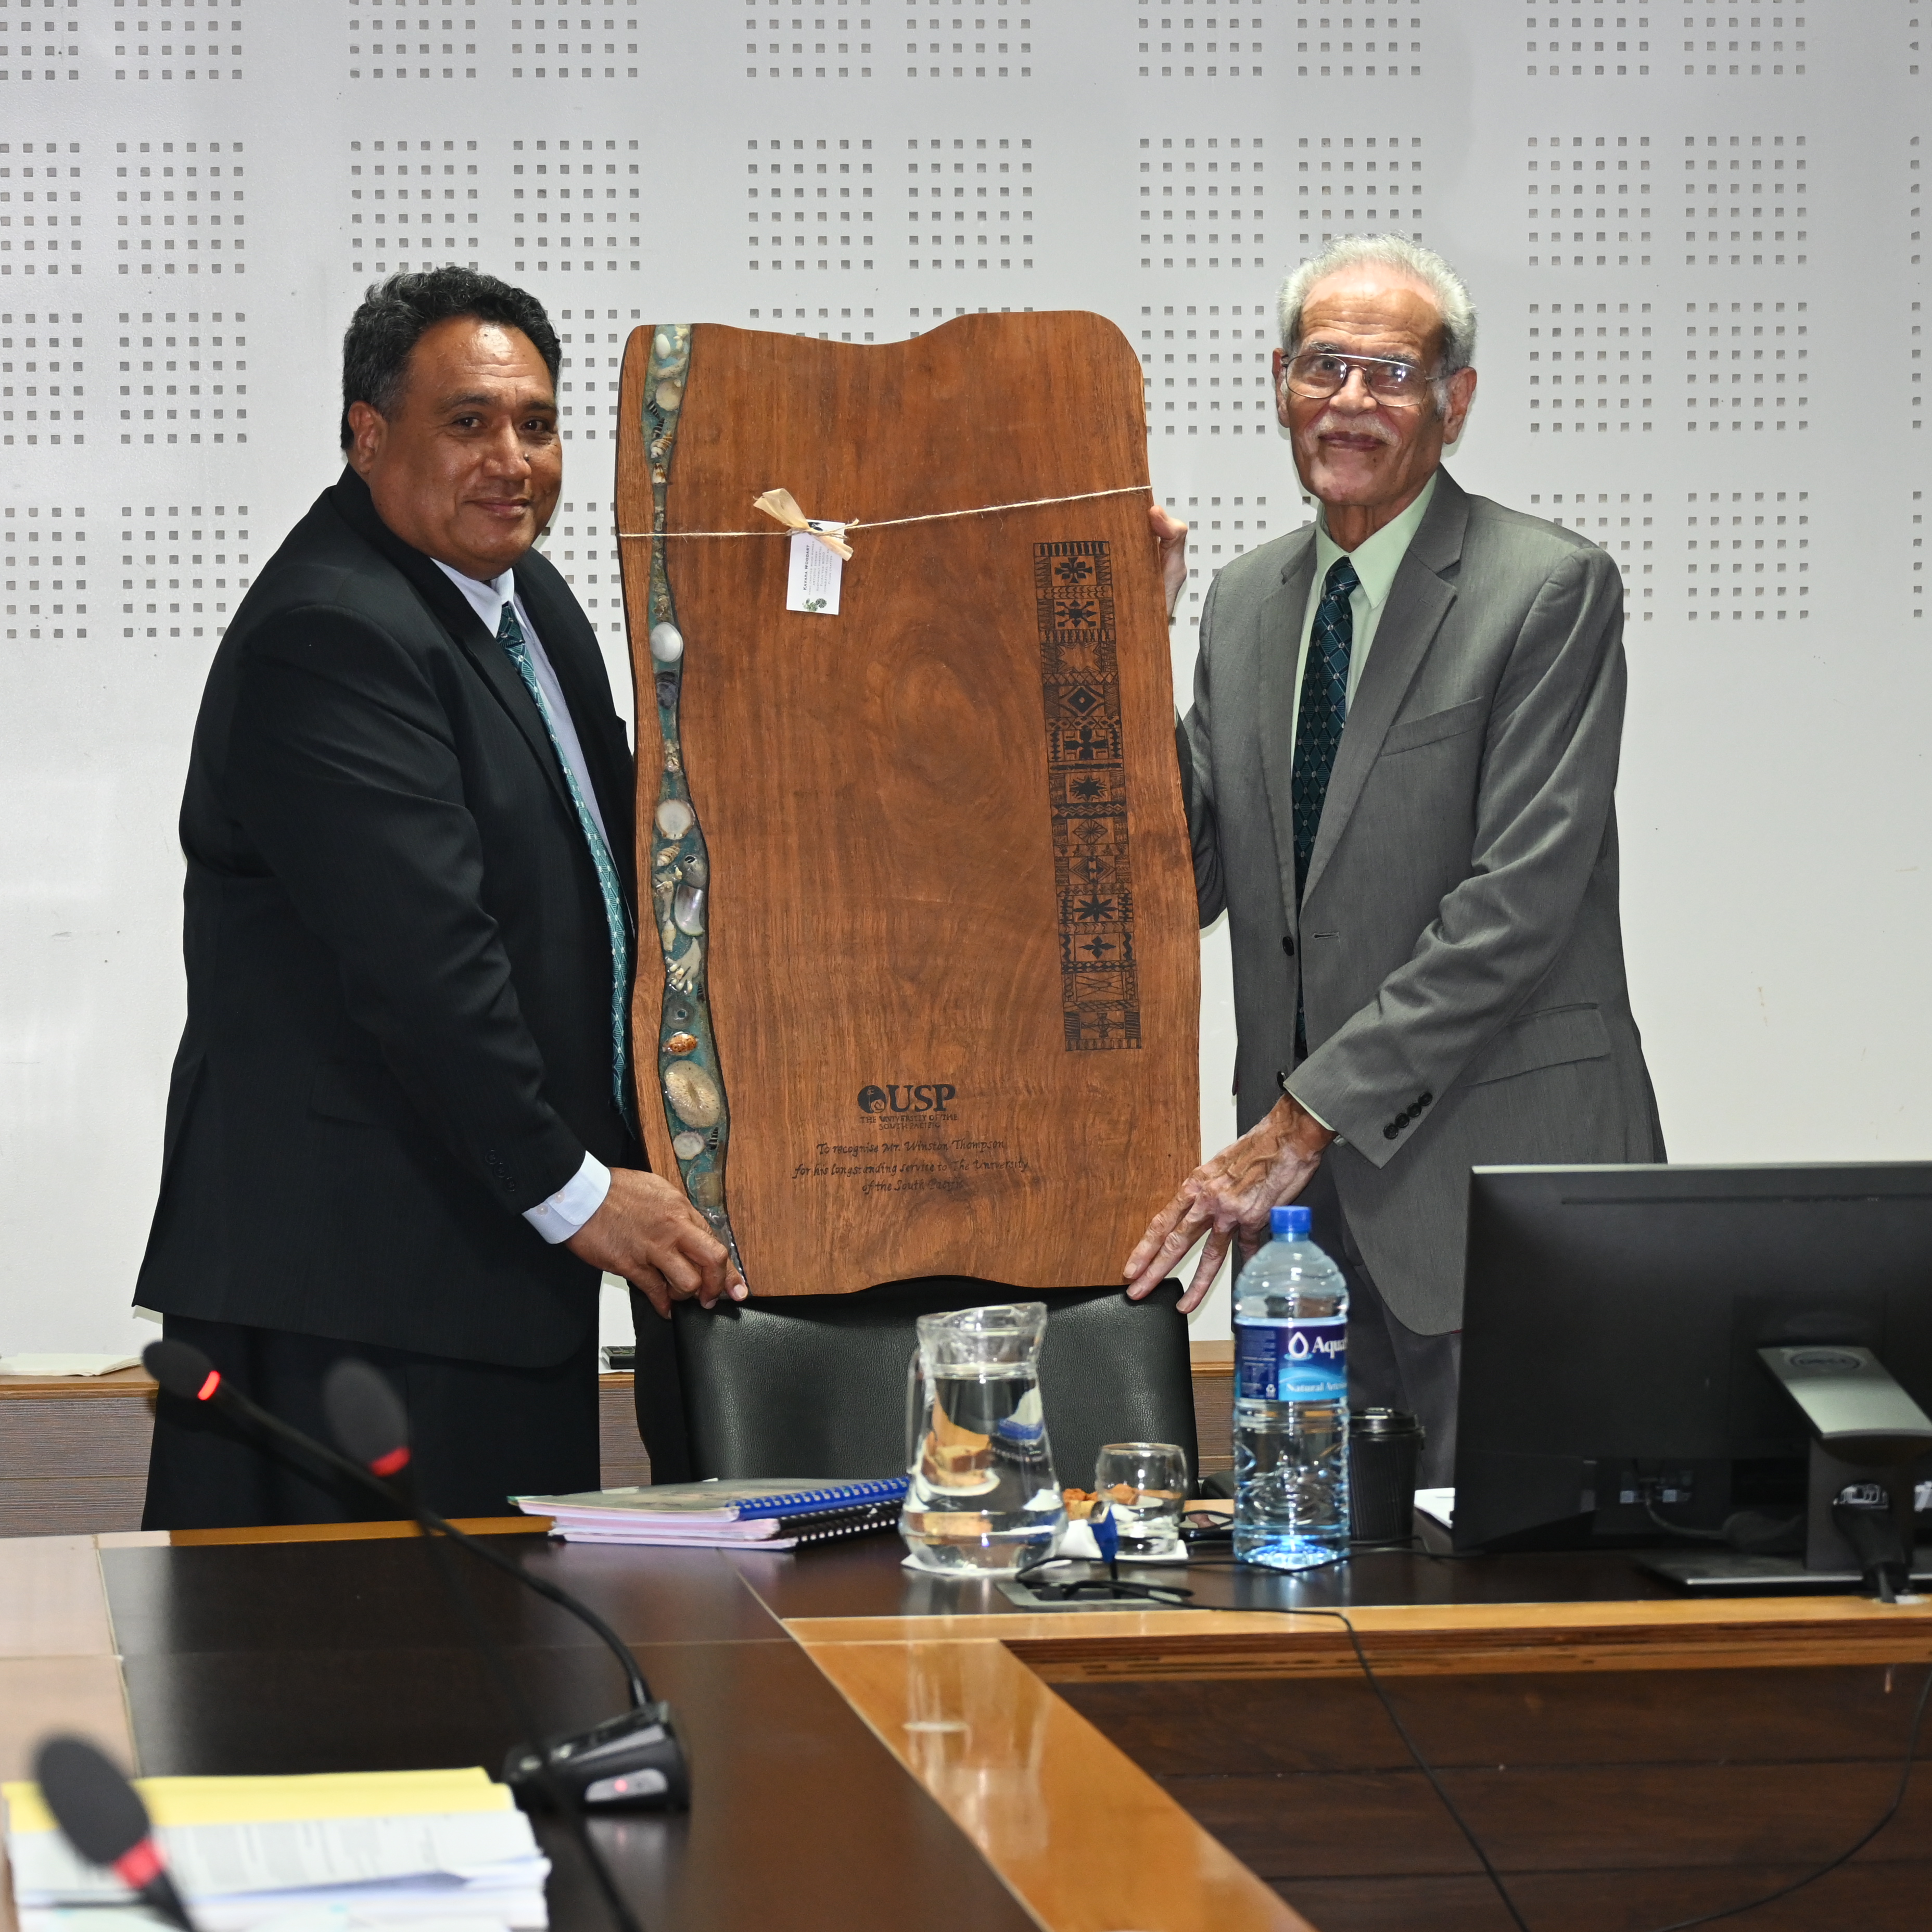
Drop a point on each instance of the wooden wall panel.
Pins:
(74, 1461)
(1609, 1801)
(73, 1458)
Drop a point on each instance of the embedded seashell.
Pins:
(667, 643)
(707, 1189)
(697, 869)
(688, 908)
(681, 1043)
(663, 344)
(666, 687)
(675, 818)
(694, 1095)
(688, 1147)
(669, 395)
(682, 973)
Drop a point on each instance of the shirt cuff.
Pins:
(573, 1203)
(1308, 1110)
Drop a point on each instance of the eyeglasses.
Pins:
(1319, 373)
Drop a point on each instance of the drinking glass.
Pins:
(1145, 1483)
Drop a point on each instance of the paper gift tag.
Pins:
(812, 584)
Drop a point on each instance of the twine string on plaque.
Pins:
(783, 508)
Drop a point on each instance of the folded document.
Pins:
(335, 1851)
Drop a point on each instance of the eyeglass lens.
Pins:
(1318, 374)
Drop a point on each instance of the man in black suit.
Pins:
(402, 1124)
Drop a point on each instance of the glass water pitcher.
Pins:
(983, 1495)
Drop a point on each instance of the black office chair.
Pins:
(815, 1385)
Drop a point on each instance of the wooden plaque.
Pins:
(918, 974)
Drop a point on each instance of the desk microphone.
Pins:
(100, 1814)
(634, 1762)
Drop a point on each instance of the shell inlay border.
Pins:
(690, 1083)
(1086, 783)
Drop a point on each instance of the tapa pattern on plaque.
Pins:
(1080, 687)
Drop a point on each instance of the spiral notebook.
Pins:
(731, 1511)
(754, 1535)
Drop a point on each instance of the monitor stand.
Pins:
(1829, 1565)
(1731, 1573)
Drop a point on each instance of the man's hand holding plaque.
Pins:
(1171, 534)
(647, 1232)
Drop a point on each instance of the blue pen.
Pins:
(1107, 1538)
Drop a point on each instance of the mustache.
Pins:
(1334, 422)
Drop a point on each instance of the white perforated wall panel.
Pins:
(1692, 236)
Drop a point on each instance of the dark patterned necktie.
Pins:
(1324, 708)
(1318, 731)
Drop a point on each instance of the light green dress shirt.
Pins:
(1376, 562)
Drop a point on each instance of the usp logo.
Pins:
(930, 1099)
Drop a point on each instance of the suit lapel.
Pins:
(453, 611)
(1279, 631)
(506, 685)
(1419, 600)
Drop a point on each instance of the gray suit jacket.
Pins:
(1458, 945)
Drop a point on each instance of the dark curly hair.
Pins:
(396, 314)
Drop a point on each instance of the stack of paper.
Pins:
(418, 1849)
(764, 1514)
(66, 1365)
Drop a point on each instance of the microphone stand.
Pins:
(543, 1774)
(531, 1770)
(631, 1762)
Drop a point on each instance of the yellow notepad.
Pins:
(260, 1800)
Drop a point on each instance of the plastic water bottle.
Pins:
(1291, 1402)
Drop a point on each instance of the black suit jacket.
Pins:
(398, 1033)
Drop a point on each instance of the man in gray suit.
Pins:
(1400, 768)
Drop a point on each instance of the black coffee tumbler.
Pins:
(1384, 1457)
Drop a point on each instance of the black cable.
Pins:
(515, 1702)
(1422, 1764)
(641, 1691)
(1850, 1852)
(1683, 1529)
(1495, 1877)
(306, 1451)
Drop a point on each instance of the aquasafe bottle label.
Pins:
(1292, 1360)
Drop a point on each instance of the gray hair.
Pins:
(1393, 251)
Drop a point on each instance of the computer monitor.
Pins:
(1612, 1383)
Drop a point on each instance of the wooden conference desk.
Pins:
(874, 1750)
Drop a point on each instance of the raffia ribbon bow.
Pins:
(781, 504)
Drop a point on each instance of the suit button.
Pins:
(1288, 944)
(1426, 1100)
(1389, 1132)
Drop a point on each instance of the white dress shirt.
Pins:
(559, 1217)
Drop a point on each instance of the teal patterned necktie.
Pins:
(510, 635)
